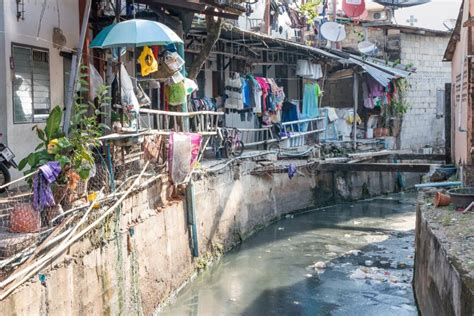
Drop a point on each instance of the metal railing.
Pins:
(165, 122)
(266, 135)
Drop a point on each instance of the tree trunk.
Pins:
(213, 33)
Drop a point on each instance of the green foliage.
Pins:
(85, 131)
(53, 145)
(73, 152)
(398, 105)
(310, 10)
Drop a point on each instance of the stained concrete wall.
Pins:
(132, 265)
(423, 124)
(439, 287)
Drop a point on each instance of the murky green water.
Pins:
(272, 272)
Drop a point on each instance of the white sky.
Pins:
(429, 15)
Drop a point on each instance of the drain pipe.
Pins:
(75, 68)
(191, 210)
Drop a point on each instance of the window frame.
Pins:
(32, 49)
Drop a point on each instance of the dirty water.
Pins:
(353, 259)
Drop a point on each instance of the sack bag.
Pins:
(24, 219)
(173, 61)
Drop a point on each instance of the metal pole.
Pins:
(356, 106)
(192, 222)
(76, 60)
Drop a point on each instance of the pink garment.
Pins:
(262, 82)
(182, 155)
(375, 88)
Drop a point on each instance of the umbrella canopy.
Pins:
(135, 33)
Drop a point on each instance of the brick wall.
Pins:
(420, 125)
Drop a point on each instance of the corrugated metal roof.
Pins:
(283, 42)
(382, 77)
(380, 72)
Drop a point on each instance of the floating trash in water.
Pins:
(281, 228)
(320, 265)
(369, 263)
(353, 252)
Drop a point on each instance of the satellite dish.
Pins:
(353, 8)
(367, 48)
(333, 31)
(401, 3)
(450, 24)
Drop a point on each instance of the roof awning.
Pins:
(253, 41)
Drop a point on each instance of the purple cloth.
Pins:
(42, 194)
(291, 170)
(375, 88)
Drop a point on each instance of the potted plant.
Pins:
(398, 106)
(74, 152)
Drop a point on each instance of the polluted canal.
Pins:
(351, 259)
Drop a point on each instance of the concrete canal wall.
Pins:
(132, 265)
(443, 284)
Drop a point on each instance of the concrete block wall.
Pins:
(421, 126)
(131, 265)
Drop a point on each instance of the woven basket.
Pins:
(24, 219)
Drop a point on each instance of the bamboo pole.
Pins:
(37, 266)
(84, 217)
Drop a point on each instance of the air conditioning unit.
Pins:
(377, 15)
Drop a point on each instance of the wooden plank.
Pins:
(378, 167)
(409, 156)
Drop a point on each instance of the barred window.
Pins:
(31, 84)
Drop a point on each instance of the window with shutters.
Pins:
(31, 84)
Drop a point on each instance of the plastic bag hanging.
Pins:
(147, 61)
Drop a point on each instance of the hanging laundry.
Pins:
(147, 61)
(310, 100)
(190, 86)
(246, 94)
(233, 90)
(182, 155)
(278, 92)
(262, 82)
(256, 94)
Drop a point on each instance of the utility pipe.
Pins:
(191, 209)
(75, 69)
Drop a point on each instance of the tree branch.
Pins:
(214, 28)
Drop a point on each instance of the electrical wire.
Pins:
(43, 9)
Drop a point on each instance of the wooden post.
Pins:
(447, 123)
(266, 16)
(356, 106)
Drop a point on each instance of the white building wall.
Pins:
(20, 138)
(3, 114)
(421, 125)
